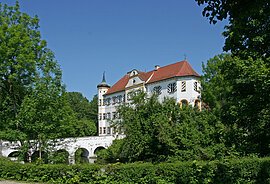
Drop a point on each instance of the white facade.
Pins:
(184, 88)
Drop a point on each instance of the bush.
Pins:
(243, 170)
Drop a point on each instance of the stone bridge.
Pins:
(88, 145)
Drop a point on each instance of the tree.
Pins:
(249, 25)
(24, 60)
(85, 111)
(32, 106)
(238, 90)
(158, 131)
(247, 72)
(215, 87)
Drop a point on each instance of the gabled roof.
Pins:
(179, 69)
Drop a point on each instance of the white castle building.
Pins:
(177, 80)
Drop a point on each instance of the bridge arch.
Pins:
(14, 155)
(82, 155)
(98, 149)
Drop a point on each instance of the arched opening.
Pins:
(98, 155)
(98, 149)
(14, 155)
(59, 157)
(81, 156)
(38, 156)
(184, 103)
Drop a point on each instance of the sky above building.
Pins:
(89, 37)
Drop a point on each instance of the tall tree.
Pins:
(249, 25)
(24, 61)
(247, 73)
(32, 105)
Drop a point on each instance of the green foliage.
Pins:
(244, 170)
(237, 91)
(111, 154)
(249, 25)
(163, 131)
(239, 86)
(32, 104)
(215, 87)
(86, 113)
(81, 106)
(25, 64)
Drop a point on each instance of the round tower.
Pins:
(102, 89)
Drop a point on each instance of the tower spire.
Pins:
(103, 78)
(103, 82)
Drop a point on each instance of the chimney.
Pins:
(157, 67)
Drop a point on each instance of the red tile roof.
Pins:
(179, 69)
(119, 86)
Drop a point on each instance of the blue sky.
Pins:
(116, 36)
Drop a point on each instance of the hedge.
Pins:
(244, 170)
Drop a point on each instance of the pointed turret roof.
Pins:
(103, 82)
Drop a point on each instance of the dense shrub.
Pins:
(244, 170)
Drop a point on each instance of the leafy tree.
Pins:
(246, 73)
(85, 111)
(238, 89)
(215, 87)
(32, 106)
(163, 131)
(24, 60)
(249, 25)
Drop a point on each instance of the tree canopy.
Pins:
(249, 25)
(162, 131)
(33, 105)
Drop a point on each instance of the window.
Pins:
(134, 81)
(171, 87)
(195, 86)
(109, 115)
(157, 90)
(104, 130)
(108, 130)
(183, 86)
(113, 100)
(100, 116)
(100, 102)
(120, 98)
(100, 130)
(104, 116)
